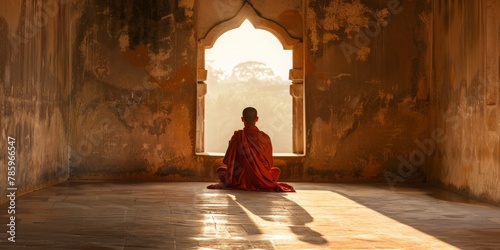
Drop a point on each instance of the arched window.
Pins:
(248, 67)
(244, 79)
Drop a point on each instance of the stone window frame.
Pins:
(296, 74)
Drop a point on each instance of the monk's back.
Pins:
(249, 160)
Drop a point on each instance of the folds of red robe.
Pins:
(248, 158)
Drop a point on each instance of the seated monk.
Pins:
(249, 160)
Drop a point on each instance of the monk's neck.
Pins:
(250, 127)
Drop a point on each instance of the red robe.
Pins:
(249, 159)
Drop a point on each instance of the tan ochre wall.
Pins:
(366, 90)
(134, 92)
(465, 97)
(34, 87)
(133, 112)
(395, 91)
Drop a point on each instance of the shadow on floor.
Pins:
(450, 217)
(276, 208)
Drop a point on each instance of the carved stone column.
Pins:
(201, 89)
(297, 92)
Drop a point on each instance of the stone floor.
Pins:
(116, 215)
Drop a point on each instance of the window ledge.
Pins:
(218, 154)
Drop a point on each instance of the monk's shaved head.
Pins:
(250, 116)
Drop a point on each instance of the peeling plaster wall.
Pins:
(34, 83)
(465, 97)
(286, 13)
(366, 90)
(134, 92)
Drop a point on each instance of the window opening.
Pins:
(295, 87)
(247, 67)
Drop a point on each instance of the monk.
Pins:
(249, 160)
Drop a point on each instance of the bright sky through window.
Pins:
(249, 44)
(248, 67)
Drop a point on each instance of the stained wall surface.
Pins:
(133, 109)
(395, 91)
(366, 90)
(134, 92)
(465, 97)
(34, 83)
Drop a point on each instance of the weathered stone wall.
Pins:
(34, 83)
(366, 90)
(465, 97)
(134, 92)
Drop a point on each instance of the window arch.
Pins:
(295, 73)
